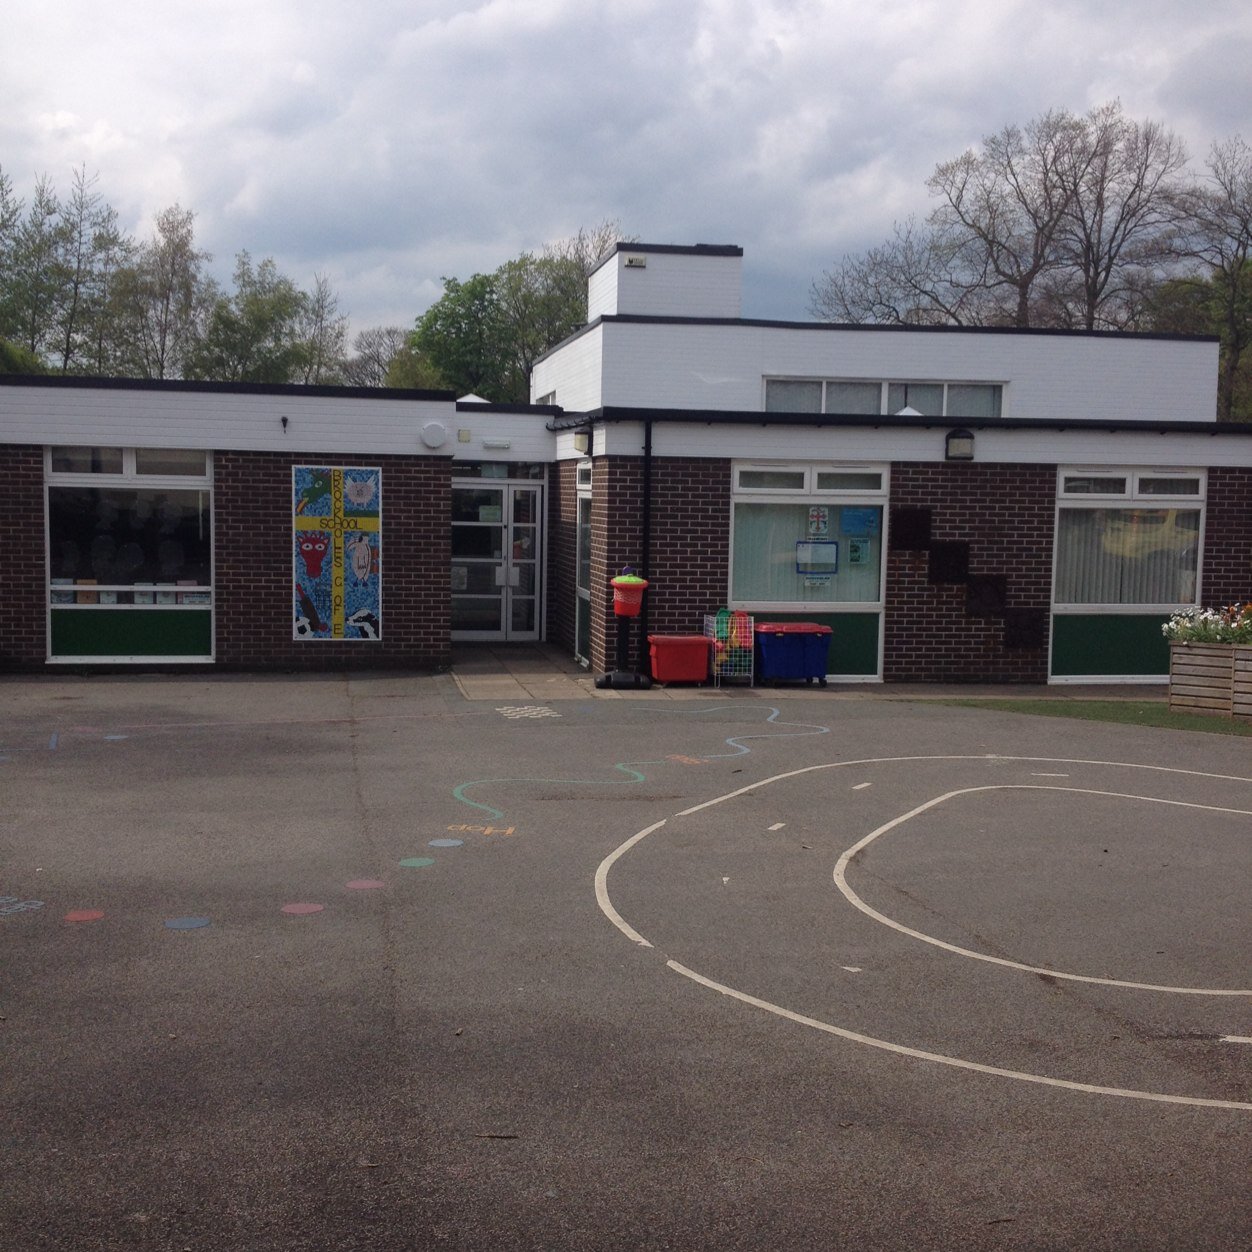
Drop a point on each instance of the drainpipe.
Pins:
(646, 539)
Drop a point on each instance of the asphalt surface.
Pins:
(363, 963)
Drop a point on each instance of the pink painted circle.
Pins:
(365, 884)
(300, 910)
(84, 915)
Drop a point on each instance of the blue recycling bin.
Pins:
(793, 650)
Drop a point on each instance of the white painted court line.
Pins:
(1235, 1039)
(778, 826)
(606, 906)
(841, 881)
(862, 786)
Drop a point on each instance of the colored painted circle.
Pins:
(365, 884)
(84, 915)
(417, 862)
(446, 843)
(302, 910)
(115, 738)
(187, 923)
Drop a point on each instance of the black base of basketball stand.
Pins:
(621, 678)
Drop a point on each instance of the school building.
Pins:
(955, 504)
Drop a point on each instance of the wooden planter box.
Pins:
(1211, 678)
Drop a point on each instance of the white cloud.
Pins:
(391, 143)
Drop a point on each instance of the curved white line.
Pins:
(976, 1066)
(606, 906)
(841, 881)
(602, 890)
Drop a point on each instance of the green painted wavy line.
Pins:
(634, 777)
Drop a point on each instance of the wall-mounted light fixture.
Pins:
(959, 446)
(582, 441)
(283, 419)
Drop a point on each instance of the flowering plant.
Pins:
(1232, 624)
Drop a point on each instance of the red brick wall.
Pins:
(1227, 571)
(23, 568)
(616, 540)
(562, 553)
(1006, 514)
(253, 565)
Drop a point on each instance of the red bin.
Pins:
(628, 594)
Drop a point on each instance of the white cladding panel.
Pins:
(666, 284)
(1048, 447)
(572, 372)
(117, 417)
(1066, 377)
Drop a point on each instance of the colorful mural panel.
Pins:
(336, 521)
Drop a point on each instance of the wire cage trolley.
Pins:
(731, 632)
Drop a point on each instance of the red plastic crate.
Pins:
(679, 658)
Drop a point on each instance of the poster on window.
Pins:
(336, 520)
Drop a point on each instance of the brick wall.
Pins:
(562, 554)
(968, 601)
(690, 547)
(253, 565)
(1227, 573)
(23, 571)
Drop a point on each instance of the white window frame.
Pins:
(810, 493)
(183, 598)
(884, 383)
(1130, 497)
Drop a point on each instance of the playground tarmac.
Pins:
(493, 960)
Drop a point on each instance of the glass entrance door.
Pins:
(496, 546)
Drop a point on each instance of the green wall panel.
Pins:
(1099, 644)
(132, 632)
(853, 639)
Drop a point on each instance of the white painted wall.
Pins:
(1049, 446)
(142, 418)
(573, 372)
(1045, 376)
(669, 284)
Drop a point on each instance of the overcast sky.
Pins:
(385, 143)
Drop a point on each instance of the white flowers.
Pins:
(1232, 624)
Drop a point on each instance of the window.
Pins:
(807, 535)
(870, 398)
(129, 526)
(1138, 545)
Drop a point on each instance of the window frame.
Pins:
(1131, 497)
(185, 598)
(884, 385)
(811, 495)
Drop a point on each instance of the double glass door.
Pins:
(496, 551)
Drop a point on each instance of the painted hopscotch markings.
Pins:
(609, 910)
(527, 710)
(11, 904)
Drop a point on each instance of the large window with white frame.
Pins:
(871, 398)
(807, 534)
(1128, 536)
(130, 553)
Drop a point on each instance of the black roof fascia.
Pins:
(492, 406)
(738, 417)
(176, 385)
(893, 328)
(1042, 332)
(672, 249)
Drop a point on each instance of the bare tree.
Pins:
(1120, 215)
(374, 349)
(1219, 237)
(325, 333)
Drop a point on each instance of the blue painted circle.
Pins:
(186, 923)
(446, 843)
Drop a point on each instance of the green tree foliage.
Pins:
(16, 359)
(158, 301)
(484, 335)
(253, 335)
